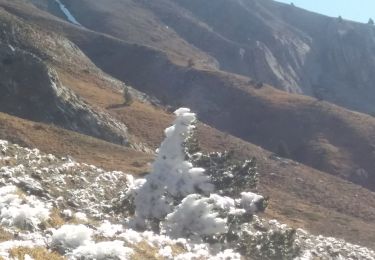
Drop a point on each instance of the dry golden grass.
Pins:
(91, 88)
(144, 251)
(4, 235)
(37, 253)
(55, 220)
(59, 142)
(145, 122)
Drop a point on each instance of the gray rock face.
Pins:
(290, 48)
(31, 89)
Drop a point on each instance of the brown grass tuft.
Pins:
(5, 236)
(144, 251)
(55, 219)
(37, 253)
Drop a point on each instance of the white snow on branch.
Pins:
(195, 216)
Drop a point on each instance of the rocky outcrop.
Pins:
(31, 89)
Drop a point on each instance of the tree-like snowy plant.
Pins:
(172, 177)
(177, 198)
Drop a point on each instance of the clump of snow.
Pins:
(27, 257)
(227, 254)
(166, 252)
(109, 230)
(24, 213)
(75, 241)
(102, 251)
(67, 213)
(249, 201)
(3, 146)
(195, 216)
(131, 236)
(71, 236)
(80, 217)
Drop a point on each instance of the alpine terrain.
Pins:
(185, 129)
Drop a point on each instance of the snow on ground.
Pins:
(67, 13)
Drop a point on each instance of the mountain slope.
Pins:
(309, 143)
(261, 114)
(285, 46)
(326, 204)
(266, 117)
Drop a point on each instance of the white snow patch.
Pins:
(102, 251)
(67, 212)
(131, 236)
(249, 201)
(81, 216)
(71, 236)
(194, 216)
(67, 13)
(109, 230)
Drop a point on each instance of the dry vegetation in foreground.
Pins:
(37, 253)
(4, 235)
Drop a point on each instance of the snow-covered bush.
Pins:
(24, 212)
(69, 237)
(172, 177)
(177, 198)
(230, 176)
(275, 244)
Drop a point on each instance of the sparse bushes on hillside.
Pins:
(256, 84)
(283, 150)
(318, 92)
(128, 98)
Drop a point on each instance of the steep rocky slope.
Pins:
(32, 90)
(48, 96)
(283, 45)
